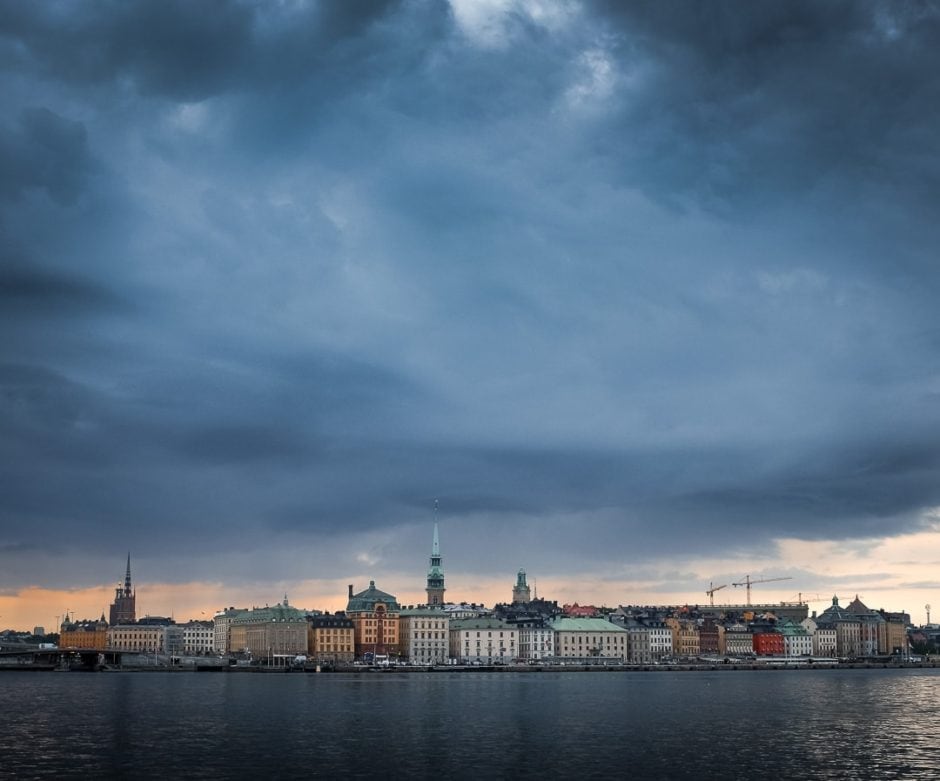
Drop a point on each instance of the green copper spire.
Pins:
(435, 586)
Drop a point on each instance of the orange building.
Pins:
(84, 634)
(375, 617)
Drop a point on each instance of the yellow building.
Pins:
(375, 617)
(685, 637)
(84, 634)
(274, 634)
(331, 639)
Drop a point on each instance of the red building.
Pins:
(579, 611)
(768, 644)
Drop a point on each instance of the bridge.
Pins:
(35, 658)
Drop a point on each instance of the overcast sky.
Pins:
(644, 294)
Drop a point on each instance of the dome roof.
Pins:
(365, 601)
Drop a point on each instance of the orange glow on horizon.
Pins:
(906, 582)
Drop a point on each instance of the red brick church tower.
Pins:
(124, 607)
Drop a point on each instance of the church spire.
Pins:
(435, 586)
(127, 577)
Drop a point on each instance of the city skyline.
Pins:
(642, 295)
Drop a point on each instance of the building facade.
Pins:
(737, 641)
(220, 627)
(274, 635)
(163, 640)
(375, 617)
(536, 638)
(685, 638)
(589, 639)
(483, 641)
(84, 634)
(198, 638)
(331, 639)
(424, 636)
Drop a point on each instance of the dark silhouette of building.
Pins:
(124, 607)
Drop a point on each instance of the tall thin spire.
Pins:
(127, 577)
(435, 587)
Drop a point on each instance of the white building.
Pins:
(823, 638)
(536, 639)
(660, 639)
(198, 638)
(797, 642)
(483, 641)
(146, 639)
(589, 638)
(424, 635)
(221, 628)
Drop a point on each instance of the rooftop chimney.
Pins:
(350, 590)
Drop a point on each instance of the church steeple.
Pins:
(124, 607)
(127, 577)
(435, 587)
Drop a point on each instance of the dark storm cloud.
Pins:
(44, 150)
(176, 49)
(39, 292)
(663, 271)
(746, 108)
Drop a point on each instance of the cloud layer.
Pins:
(607, 280)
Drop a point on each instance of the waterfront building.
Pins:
(424, 635)
(220, 624)
(848, 629)
(276, 634)
(872, 626)
(162, 639)
(895, 628)
(124, 607)
(708, 637)
(536, 637)
(797, 641)
(737, 641)
(84, 634)
(435, 587)
(520, 592)
(638, 640)
(685, 637)
(198, 638)
(483, 640)
(823, 637)
(589, 639)
(375, 618)
(768, 643)
(660, 638)
(331, 639)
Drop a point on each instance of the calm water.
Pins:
(837, 724)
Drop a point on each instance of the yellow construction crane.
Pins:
(712, 588)
(748, 582)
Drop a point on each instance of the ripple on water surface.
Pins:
(826, 724)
